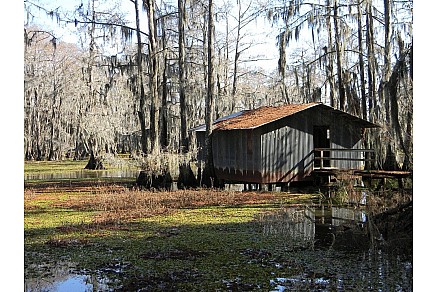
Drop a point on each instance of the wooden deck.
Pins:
(363, 173)
(330, 175)
(367, 156)
(383, 173)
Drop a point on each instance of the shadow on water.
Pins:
(333, 249)
(303, 249)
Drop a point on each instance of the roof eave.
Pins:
(360, 121)
(268, 122)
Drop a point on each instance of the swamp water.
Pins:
(82, 174)
(333, 251)
(63, 277)
(325, 249)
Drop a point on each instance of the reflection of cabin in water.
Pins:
(304, 226)
(286, 143)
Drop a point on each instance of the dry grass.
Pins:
(128, 205)
(116, 205)
(384, 200)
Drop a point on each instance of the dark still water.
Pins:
(334, 251)
(82, 174)
(321, 249)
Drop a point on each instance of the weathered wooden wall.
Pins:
(344, 134)
(286, 152)
(282, 151)
(236, 155)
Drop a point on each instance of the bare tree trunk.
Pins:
(164, 141)
(140, 86)
(329, 65)
(153, 79)
(95, 161)
(182, 74)
(361, 61)
(226, 58)
(36, 129)
(205, 50)
(208, 178)
(282, 64)
(373, 137)
(387, 61)
(78, 155)
(408, 161)
(209, 102)
(387, 94)
(362, 80)
(236, 58)
(339, 57)
(371, 63)
(52, 155)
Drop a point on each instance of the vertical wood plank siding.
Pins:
(287, 150)
(282, 151)
(347, 137)
(236, 155)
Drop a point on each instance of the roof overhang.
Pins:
(359, 121)
(246, 120)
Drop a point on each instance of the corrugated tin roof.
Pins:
(251, 119)
(263, 115)
(267, 114)
(202, 128)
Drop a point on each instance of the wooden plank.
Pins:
(344, 149)
(344, 159)
(383, 173)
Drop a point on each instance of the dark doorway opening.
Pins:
(321, 139)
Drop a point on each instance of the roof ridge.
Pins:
(267, 114)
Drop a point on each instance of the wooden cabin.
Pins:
(199, 133)
(286, 143)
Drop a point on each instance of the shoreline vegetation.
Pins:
(126, 238)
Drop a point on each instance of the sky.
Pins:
(262, 31)
(65, 32)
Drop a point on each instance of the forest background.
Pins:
(126, 88)
(12, 125)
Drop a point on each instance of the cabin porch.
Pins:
(324, 174)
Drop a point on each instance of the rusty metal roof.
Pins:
(264, 115)
(202, 128)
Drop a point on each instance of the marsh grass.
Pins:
(381, 201)
(187, 240)
(163, 232)
(115, 205)
(123, 205)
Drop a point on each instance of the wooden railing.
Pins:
(326, 154)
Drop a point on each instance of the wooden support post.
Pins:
(400, 183)
(322, 159)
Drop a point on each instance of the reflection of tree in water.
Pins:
(60, 276)
(295, 225)
(338, 251)
(313, 226)
(341, 228)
